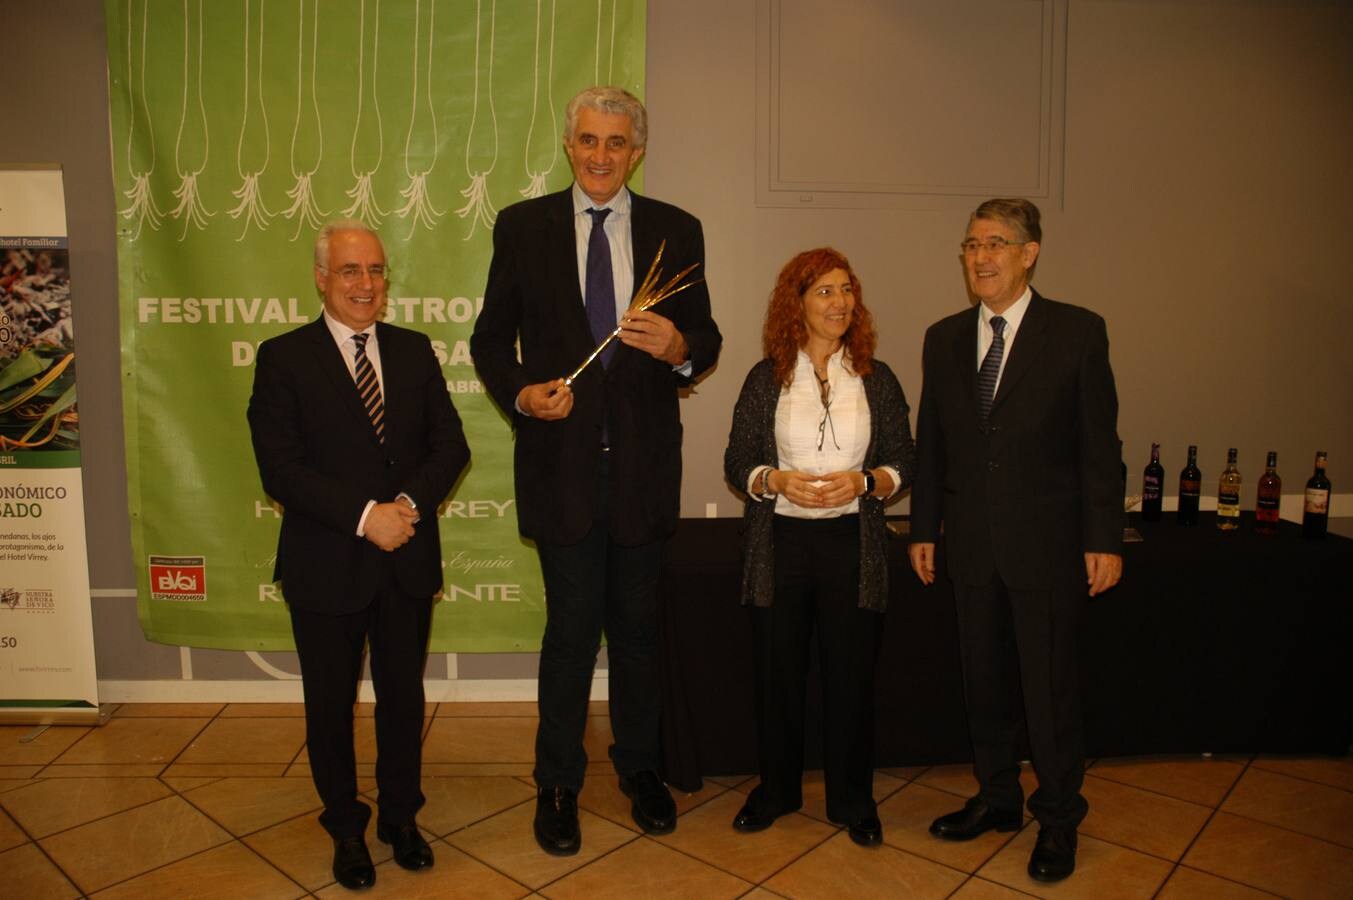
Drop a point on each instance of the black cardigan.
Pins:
(751, 443)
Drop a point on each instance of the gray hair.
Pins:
(1018, 213)
(610, 100)
(332, 228)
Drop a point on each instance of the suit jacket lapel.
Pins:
(1027, 347)
(965, 351)
(391, 369)
(644, 237)
(330, 361)
(560, 249)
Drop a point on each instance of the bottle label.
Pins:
(1267, 503)
(1189, 488)
(1228, 504)
(1150, 487)
(1317, 501)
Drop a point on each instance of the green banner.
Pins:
(239, 127)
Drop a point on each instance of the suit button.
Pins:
(992, 465)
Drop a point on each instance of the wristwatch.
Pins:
(869, 483)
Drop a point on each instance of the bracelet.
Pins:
(869, 483)
(765, 482)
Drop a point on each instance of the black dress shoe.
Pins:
(352, 864)
(1054, 855)
(411, 851)
(750, 819)
(973, 819)
(653, 808)
(867, 832)
(556, 824)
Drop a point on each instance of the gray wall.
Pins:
(1190, 157)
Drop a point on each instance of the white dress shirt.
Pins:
(618, 235)
(1013, 317)
(801, 423)
(347, 347)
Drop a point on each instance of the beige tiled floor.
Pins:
(209, 799)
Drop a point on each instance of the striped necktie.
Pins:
(368, 387)
(991, 366)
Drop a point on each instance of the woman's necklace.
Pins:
(824, 387)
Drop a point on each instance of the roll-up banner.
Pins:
(46, 628)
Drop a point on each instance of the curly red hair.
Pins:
(785, 334)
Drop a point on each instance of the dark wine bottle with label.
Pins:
(1269, 495)
(1153, 482)
(1316, 517)
(1228, 494)
(1190, 489)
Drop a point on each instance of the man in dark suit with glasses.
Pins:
(1019, 460)
(355, 435)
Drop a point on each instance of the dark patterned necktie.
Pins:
(991, 367)
(600, 297)
(369, 388)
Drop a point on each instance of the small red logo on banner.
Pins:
(178, 578)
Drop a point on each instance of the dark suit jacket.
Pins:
(533, 296)
(319, 457)
(1041, 484)
(751, 443)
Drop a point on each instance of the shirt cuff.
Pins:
(897, 480)
(361, 523)
(685, 369)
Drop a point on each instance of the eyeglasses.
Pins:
(353, 271)
(991, 245)
(825, 394)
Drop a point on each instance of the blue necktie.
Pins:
(600, 297)
(991, 366)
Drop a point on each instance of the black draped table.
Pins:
(1223, 642)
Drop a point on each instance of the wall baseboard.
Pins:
(500, 690)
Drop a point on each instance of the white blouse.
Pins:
(818, 439)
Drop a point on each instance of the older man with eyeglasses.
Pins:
(1018, 458)
(356, 437)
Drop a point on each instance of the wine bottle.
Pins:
(1153, 480)
(1315, 519)
(1269, 495)
(1228, 494)
(1190, 488)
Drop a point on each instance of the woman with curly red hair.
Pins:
(820, 442)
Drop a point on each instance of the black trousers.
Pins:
(817, 587)
(1021, 683)
(396, 626)
(591, 587)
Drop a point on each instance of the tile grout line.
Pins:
(1264, 822)
(1302, 778)
(1156, 793)
(1210, 818)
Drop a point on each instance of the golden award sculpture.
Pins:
(649, 295)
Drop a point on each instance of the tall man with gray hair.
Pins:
(355, 435)
(598, 463)
(1018, 456)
